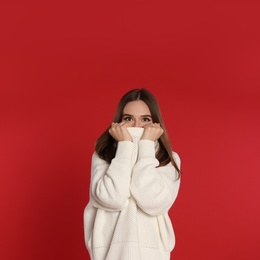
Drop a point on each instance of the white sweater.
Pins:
(127, 214)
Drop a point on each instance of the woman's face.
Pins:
(138, 113)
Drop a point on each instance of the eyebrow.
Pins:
(141, 115)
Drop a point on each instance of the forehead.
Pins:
(137, 107)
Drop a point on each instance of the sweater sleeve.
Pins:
(154, 188)
(110, 182)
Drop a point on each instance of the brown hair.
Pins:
(106, 145)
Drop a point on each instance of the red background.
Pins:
(64, 66)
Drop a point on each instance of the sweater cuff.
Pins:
(124, 149)
(146, 148)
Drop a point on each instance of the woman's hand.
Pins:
(152, 132)
(119, 131)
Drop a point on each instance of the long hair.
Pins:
(106, 145)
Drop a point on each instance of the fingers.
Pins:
(152, 131)
(113, 127)
(154, 125)
(123, 124)
(119, 131)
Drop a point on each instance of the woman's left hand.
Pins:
(152, 132)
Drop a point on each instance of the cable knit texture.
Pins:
(127, 214)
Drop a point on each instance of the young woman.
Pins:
(135, 179)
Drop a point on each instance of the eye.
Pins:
(146, 119)
(127, 118)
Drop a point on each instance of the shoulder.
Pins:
(95, 158)
(176, 158)
(97, 161)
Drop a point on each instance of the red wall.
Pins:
(64, 66)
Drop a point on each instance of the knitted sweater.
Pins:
(126, 217)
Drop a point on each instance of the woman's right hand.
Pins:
(119, 131)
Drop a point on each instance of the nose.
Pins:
(137, 123)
